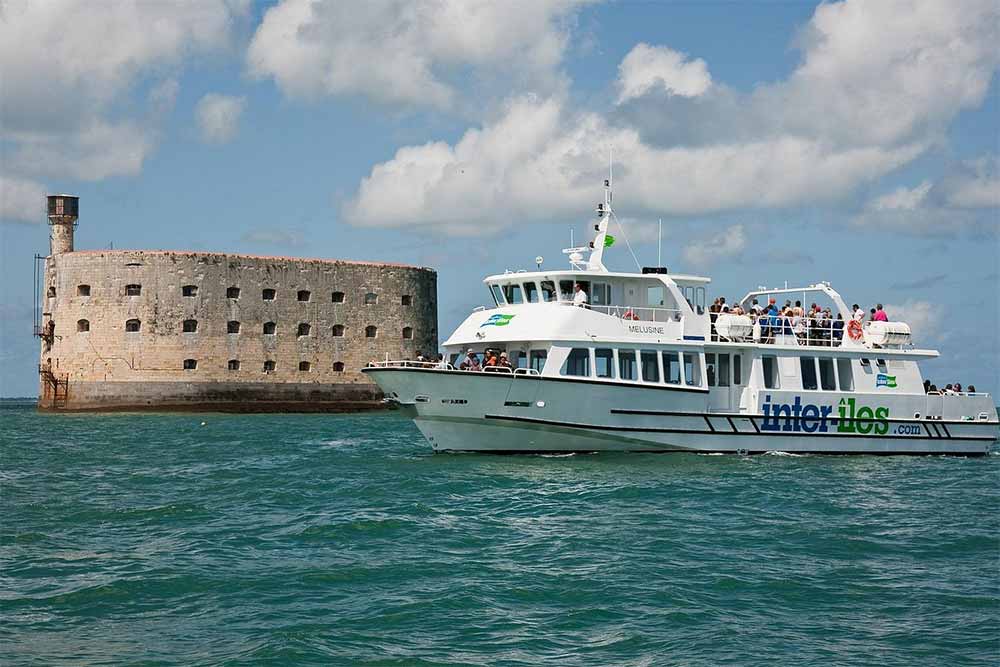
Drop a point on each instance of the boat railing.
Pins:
(639, 313)
(406, 363)
(778, 330)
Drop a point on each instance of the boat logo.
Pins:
(497, 320)
(883, 380)
(808, 418)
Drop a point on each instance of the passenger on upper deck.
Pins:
(579, 296)
(880, 315)
(859, 313)
(503, 362)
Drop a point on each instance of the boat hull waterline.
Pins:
(500, 413)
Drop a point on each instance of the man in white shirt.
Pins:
(859, 313)
(580, 297)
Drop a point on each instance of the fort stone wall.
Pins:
(175, 330)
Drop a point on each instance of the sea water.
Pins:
(208, 539)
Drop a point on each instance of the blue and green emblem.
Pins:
(497, 320)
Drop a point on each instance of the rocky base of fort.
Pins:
(214, 397)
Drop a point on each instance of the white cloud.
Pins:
(66, 64)
(966, 197)
(647, 67)
(876, 88)
(537, 160)
(974, 184)
(408, 51)
(924, 318)
(218, 117)
(902, 199)
(21, 200)
(725, 245)
(90, 153)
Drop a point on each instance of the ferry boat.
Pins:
(645, 367)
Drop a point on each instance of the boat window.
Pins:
(512, 293)
(577, 363)
(453, 359)
(549, 291)
(650, 365)
(881, 364)
(827, 379)
(604, 363)
(770, 367)
(808, 365)
(518, 358)
(671, 367)
(497, 294)
(699, 300)
(531, 292)
(654, 296)
(626, 365)
(565, 290)
(710, 368)
(845, 375)
(723, 370)
(601, 294)
(737, 369)
(537, 358)
(692, 371)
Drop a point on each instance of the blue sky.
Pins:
(851, 142)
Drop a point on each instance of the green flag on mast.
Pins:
(609, 240)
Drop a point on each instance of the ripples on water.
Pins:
(309, 539)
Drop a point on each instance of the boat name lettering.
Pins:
(636, 328)
(810, 418)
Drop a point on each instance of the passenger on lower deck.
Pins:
(471, 362)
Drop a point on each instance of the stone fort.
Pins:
(155, 329)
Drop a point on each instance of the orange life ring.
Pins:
(854, 330)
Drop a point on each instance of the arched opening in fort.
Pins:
(133, 326)
(190, 326)
(267, 295)
(83, 325)
(338, 330)
(190, 364)
(303, 330)
(83, 290)
(337, 297)
(270, 328)
(338, 367)
(371, 298)
(407, 333)
(371, 331)
(133, 290)
(269, 366)
(234, 364)
(303, 295)
(233, 327)
(232, 292)
(406, 300)
(304, 366)
(189, 290)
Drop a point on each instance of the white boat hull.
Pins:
(485, 412)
